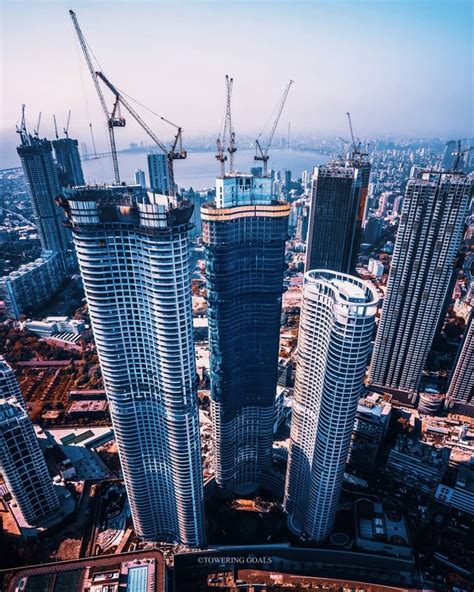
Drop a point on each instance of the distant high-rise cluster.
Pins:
(132, 249)
(244, 234)
(21, 460)
(339, 194)
(336, 327)
(428, 239)
(33, 284)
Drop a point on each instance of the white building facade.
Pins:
(133, 255)
(336, 327)
(22, 463)
(461, 386)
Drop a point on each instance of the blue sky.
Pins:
(401, 67)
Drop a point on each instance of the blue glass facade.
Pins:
(244, 250)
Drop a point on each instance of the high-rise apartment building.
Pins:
(428, 238)
(22, 463)
(336, 327)
(31, 285)
(461, 385)
(41, 175)
(244, 234)
(133, 255)
(158, 173)
(338, 198)
(69, 162)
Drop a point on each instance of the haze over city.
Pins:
(384, 65)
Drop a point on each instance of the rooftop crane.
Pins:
(262, 153)
(227, 137)
(170, 154)
(55, 127)
(178, 141)
(114, 118)
(37, 128)
(66, 129)
(355, 145)
(21, 129)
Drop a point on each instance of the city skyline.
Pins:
(328, 72)
(252, 369)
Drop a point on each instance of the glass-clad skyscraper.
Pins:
(132, 249)
(336, 328)
(338, 199)
(244, 234)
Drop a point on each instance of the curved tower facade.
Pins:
(132, 250)
(244, 234)
(336, 327)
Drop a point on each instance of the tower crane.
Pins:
(21, 129)
(356, 143)
(262, 153)
(114, 118)
(66, 129)
(38, 123)
(227, 137)
(172, 154)
(55, 127)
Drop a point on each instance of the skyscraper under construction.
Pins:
(244, 234)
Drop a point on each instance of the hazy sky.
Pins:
(400, 67)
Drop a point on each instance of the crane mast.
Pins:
(55, 127)
(66, 129)
(37, 128)
(226, 140)
(112, 120)
(21, 129)
(262, 153)
(355, 144)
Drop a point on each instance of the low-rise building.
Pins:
(381, 528)
(461, 495)
(54, 326)
(376, 268)
(418, 464)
